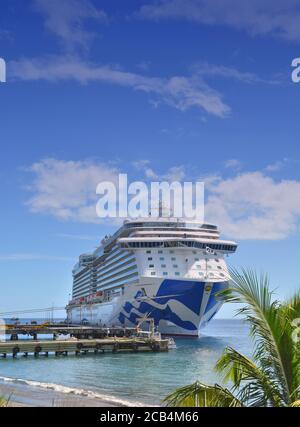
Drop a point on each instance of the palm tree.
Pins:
(272, 377)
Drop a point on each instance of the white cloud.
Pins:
(179, 92)
(32, 257)
(143, 165)
(67, 189)
(66, 19)
(233, 164)
(212, 70)
(144, 65)
(257, 17)
(250, 205)
(276, 166)
(175, 173)
(254, 206)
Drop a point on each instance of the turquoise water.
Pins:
(144, 378)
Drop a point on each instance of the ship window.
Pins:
(160, 252)
(198, 266)
(219, 267)
(153, 273)
(165, 273)
(221, 274)
(194, 252)
(148, 252)
(150, 259)
(217, 260)
(196, 259)
(173, 259)
(171, 252)
(162, 258)
(177, 273)
(163, 266)
(151, 265)
(175, 265)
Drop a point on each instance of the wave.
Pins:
(74, 391)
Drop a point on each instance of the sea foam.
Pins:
(75, 391)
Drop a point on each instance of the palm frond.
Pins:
(201, 395)
(265, 325)
(255, 387)
(272, 378)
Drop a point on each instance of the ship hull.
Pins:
(178, 307)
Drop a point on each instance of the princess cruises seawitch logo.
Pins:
(138, 199)
(2, 71)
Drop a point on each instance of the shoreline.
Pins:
(24, 393)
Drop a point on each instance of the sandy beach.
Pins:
(21, 395)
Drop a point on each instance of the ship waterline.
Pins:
(165, 269)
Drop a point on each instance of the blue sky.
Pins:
(168, 89)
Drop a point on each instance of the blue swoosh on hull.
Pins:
(188, 293)
(157, 315)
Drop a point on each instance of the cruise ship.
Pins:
(169, 270)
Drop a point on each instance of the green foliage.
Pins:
(198, 394)
(3, 402)
(272, 377)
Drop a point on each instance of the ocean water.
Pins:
(138, 378)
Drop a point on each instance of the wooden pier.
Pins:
(82, 346)
(77, 331)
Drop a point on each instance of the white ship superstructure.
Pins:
(166, 269)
